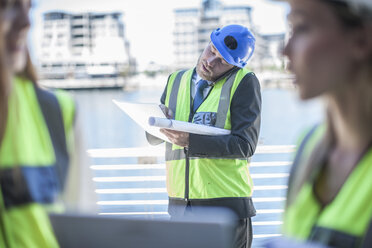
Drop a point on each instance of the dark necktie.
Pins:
(198, 99)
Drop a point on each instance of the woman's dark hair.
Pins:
(348, 17)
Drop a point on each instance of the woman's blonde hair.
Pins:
(28, 73)
(5, 73)
(4, 87)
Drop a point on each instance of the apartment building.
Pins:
(193, 27)
(84, 45)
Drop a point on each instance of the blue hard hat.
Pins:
(235, 43)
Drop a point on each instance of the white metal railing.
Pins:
(158, 151)
(273, 193)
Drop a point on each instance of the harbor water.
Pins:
(284, 116)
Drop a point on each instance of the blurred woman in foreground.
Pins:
(38, 159)
(330, 187)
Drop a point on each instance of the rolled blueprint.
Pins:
(186, 126)
(160, 122)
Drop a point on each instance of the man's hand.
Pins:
(167, 112)
(176, 137)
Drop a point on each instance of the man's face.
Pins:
(211, 65)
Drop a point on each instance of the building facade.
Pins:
(84, 45)
(193, 27)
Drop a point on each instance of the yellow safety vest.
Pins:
(343, 222)
(33, 164)
(204, 178)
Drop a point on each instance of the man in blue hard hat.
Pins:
(207, 170)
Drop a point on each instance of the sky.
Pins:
(149, 23)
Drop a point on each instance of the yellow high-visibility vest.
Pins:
(33, 163)
(343, 221)
(205, 178)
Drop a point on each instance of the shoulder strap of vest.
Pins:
(53, 117)
(174, 92)
(296, 161)
(224, 103)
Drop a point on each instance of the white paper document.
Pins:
(140, 113)
(151, 118)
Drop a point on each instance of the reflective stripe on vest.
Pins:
(22, 183)
(172, 98)
(26, 184)
(208, 178)
(344, 221)
(172, 104)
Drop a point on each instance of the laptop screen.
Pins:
(75, 230)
